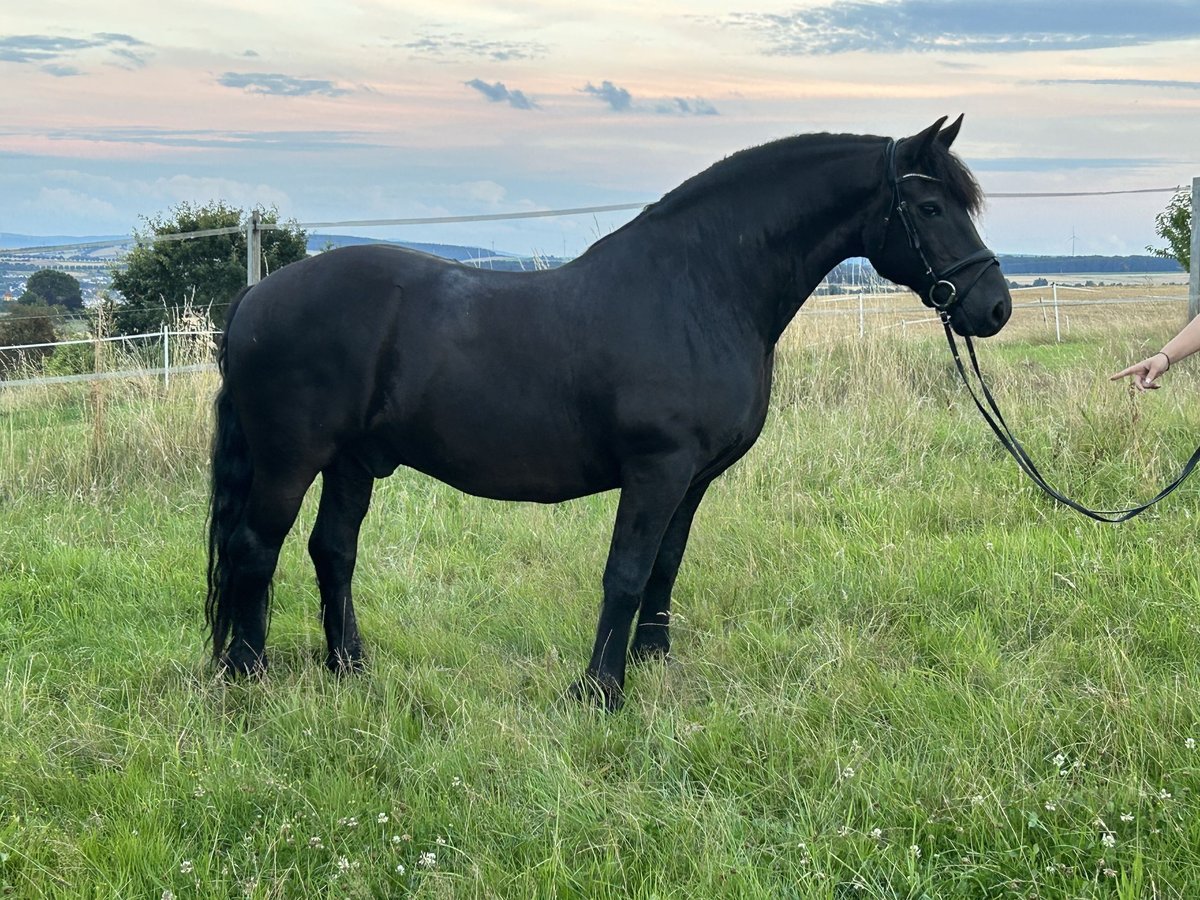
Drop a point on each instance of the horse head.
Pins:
(923, 233)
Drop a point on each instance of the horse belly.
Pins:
(508, 461)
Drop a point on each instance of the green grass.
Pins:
(899, 671)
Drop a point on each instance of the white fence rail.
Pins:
(166, 370)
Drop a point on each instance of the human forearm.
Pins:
(1185, 343)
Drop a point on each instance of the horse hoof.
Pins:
(643, 652)
(243, 665)
(592, 690)
(343, 663)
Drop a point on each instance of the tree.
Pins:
(27, 324)
(1174, 225)
(46, 287)
(161, 278)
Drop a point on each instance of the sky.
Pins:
(355, 110)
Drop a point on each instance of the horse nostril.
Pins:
(999, 313)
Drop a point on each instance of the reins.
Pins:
(1013, 446)
(991, 412)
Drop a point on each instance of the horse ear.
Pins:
(925, 139)
(947, 135)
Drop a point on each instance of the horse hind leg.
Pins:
(249, 566)
(345, 496)
(652, 635)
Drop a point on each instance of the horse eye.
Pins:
(930, 210)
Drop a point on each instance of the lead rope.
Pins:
(1013, 446)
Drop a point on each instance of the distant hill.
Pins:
(1085, 265)
(850, 271)
(12, 241)
(472, 256)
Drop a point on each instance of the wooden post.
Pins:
(1194, 284)
(253, 249)
(1057, 329)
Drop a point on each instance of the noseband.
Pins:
(942, 294)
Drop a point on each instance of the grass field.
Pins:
(899, 671)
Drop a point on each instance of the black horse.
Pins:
(643, 365)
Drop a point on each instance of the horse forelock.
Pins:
(954, 174)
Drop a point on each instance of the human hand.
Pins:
(1146, 372)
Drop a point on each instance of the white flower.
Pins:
(315, 842)
(400, 870)
(1059, 760)
(1190, 743)
(343, 864)
(915, 851)
(977, 800)
(1164, 794)
(441, 841)
(186, 867)
(1050, 805)
(382, 818)
(848, 772)
(1126, 817)
(427, 860)
(877, 833)
(1108, 839)
(396, 839)
(168, 895)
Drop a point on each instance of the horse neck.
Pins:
(777, 239)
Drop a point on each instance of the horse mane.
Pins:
(773, 159)
(760, 162)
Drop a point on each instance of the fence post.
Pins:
(1057, 331)
(166, 342)
(253, 249)
(1194, 282)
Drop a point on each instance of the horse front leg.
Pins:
(651, 491)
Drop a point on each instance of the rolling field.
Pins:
(899, 671)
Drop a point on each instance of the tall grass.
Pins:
(899, 671)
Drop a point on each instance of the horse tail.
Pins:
(231, 474)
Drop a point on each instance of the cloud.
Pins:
(455, 45)
(680, 106)
(981, 26)
(1064, 163)
(128, 59)
(277, 85)
(620, 100)
(616, 97)
(1127, 82)
(61, 71)
(286, 141)
(52, 51)
(498, 93)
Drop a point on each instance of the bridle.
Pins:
(942, 295)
